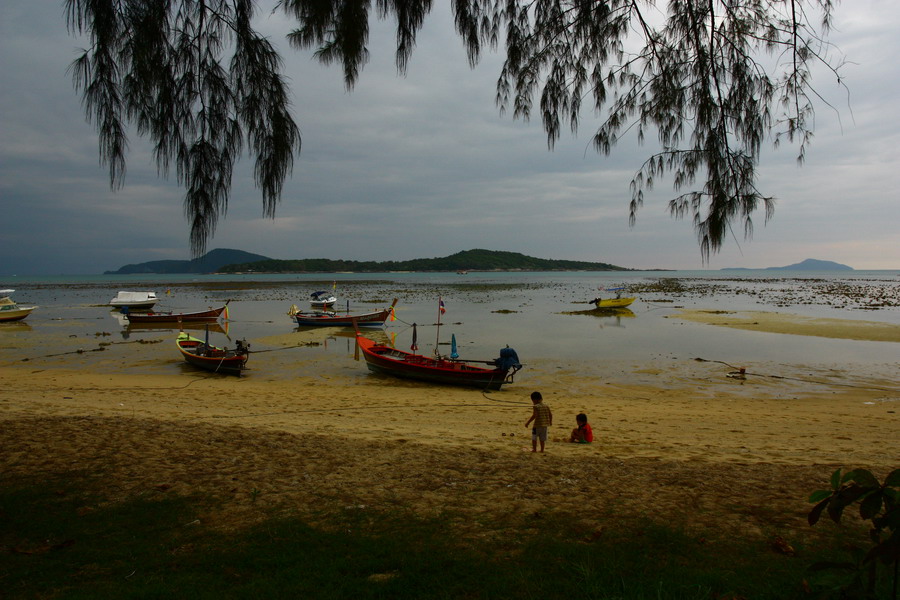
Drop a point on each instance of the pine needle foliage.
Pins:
(200, 82)
(712, 80)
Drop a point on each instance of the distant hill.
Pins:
(468, 260)
(210, 262)
(810, 264)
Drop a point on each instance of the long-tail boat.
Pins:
(319, 318)
(381, 358)
(202, 316)
(202, 354)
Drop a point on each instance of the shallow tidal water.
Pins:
(545, 317)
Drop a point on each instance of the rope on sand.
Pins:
(100, 348)
(366, 407)
(742, 372)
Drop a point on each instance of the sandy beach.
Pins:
(700, 445)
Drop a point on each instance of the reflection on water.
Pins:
(128, 328)
(608, 317)
(172, 327)
(14, 327)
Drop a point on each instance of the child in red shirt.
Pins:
(583, 434)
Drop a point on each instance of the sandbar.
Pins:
(788, 323)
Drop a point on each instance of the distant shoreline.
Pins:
(449, 271)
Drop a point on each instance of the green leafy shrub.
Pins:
(879, 503)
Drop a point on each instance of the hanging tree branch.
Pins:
(697, 77)
(161, 66)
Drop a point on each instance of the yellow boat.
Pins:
(617, 302)
(613, 302)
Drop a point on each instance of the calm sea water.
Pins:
(545, 317)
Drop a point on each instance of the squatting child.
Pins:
(583, 434)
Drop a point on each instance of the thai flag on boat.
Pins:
(441, 304)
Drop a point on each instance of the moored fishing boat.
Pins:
(202, 354)
(613, 302)
(381, 358)
(334, 319)
(617, 302)
(134, 300)
(210, 315)
(9, 310)
(322, 300)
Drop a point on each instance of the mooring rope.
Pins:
(743, 372)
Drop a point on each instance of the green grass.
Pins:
(57, 541)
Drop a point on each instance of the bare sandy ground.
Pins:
(704, 447)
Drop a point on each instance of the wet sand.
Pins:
(701, 445)
(778, 322)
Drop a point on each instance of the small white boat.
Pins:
(134, 300)
(9, 310)
(321, 300)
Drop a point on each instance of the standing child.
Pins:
(542, 418)
(583, 434)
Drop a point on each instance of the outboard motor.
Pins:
(509, 361)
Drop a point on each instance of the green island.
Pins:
(237, 261)
(467, 260)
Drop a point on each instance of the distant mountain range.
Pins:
(810, 264)
(210, 262)
(238, 261)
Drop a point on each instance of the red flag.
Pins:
(441, 304)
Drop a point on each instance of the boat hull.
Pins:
(135, 305)
(210, 358)
(328, 303)
(614, 302)
(321, 300)
(332, 319)
(390, 361)
(328, 320)
(15, 314)
(168, 317)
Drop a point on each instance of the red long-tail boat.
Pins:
(202, 354)
(381, 358)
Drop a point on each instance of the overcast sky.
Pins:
(425, 166)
